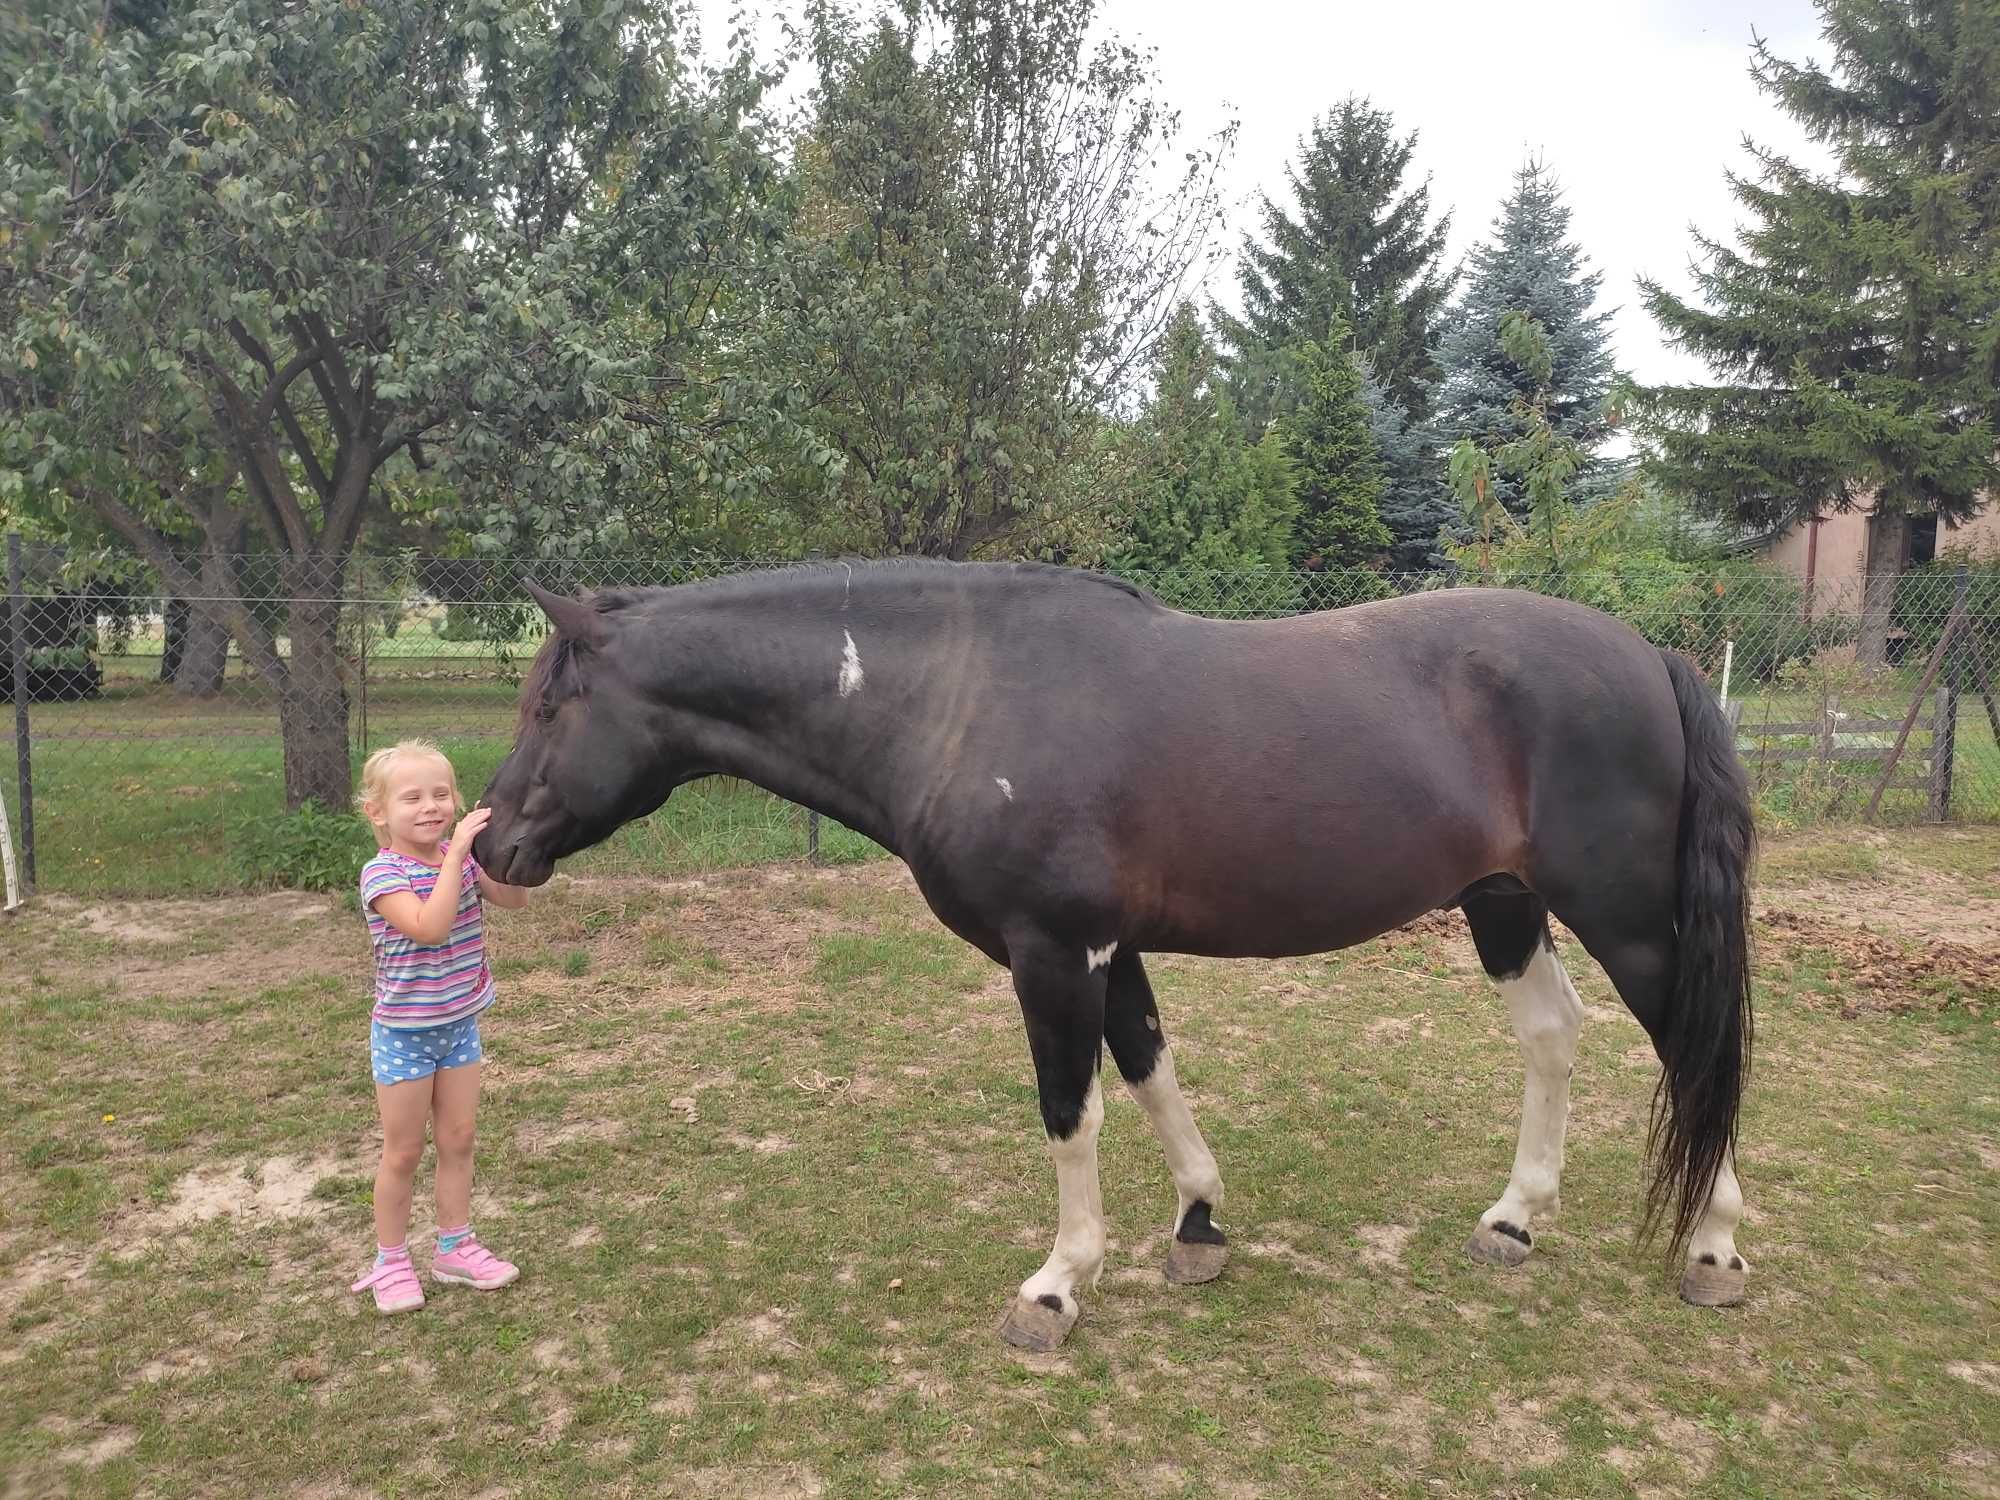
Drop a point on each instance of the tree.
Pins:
(1416, 502)
(1202, 497)
(985, 261)
(1855, 324)
(1340, 472)
(1539, 463)
(1489, 396)
(1361, 248)
(260, 254)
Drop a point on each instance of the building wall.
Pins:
(1843, 550)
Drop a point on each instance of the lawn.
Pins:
(765, 1143)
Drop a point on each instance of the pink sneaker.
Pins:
(470, 1263)
(396, 1286)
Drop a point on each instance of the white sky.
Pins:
(1637, 105)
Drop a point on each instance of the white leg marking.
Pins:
(850, 667)
(1097, 958)
(1006, 787)
(1196, 1179)
(1716, 1233)
(1078, 1257)
(1548, 1018)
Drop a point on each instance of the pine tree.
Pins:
(1361, 248)
(1416, 502)
(1340, 471)
(1204, 498)
(1528, 266)
(1855, 324)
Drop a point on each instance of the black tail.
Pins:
(1704, 1040)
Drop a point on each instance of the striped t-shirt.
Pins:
(425, 984)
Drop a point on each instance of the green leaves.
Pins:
(1852, 321)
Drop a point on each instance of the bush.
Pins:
(309, 850)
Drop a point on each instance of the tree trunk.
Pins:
(312, 699)
(204, 656)
(1888, 556)
(205, 643)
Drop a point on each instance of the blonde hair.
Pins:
(375, 773)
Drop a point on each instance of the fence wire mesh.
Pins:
(168, 734)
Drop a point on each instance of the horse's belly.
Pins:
(1235, 895)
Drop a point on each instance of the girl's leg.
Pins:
(454, 1102)
(405, 1108)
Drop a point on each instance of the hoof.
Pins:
(1037, 1327)
(1709, 1285)
(1190, 1264)
(1499, 1244)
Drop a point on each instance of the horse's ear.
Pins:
(571, 617)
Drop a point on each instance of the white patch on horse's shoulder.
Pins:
(1006, 787)
(1099, 957)
(850, 667)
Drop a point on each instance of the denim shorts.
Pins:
(401, 1056)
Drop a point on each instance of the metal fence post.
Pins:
(1944, 726)
(24, 770)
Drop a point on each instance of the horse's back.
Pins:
(1300, 784)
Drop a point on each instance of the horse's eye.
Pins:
(545, 713)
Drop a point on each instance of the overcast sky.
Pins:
(1637, 105)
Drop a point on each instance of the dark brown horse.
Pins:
(1078, 775)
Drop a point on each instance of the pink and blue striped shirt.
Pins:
(418, 985)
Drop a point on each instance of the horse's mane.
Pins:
(555, 675)
(780, 574)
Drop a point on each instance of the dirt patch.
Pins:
(1517, 1438)
(1921, 903)
(782, 1482)
(1984, 1373)
(116, 1443)
(1382, 1245)
(535, 1137)
(764, 1145)
(1886, 975)
(280, 1188)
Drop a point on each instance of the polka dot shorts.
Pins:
(402, 1056)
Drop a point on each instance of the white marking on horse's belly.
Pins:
(1006, 787)
(850, 667)
(1099, 957)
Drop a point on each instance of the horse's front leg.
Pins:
(1061, 989)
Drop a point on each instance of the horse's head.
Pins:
(591, 752)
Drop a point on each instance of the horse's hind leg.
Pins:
(1510, 928)
(1061, 990)
(1639, 955)
(1132, 1030)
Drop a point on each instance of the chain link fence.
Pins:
(158, 739)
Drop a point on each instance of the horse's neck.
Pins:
(821, 699)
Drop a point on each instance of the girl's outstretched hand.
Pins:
(468, 829)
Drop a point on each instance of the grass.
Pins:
(766, 1145)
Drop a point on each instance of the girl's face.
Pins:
(419, 803)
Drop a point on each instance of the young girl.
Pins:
(421, 893)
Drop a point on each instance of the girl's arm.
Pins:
(511, 896)
(429, 920)
(420, 919)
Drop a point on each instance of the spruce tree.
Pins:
(1416, 502)
(1204, 497)
(1361, 248)
(1339, 469)
(1855, 323)
(1528, 266)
